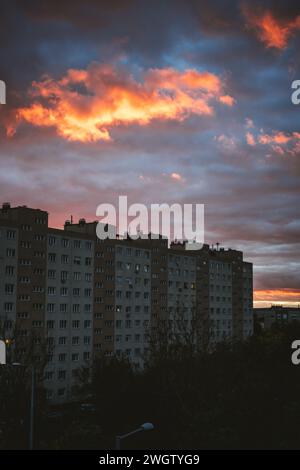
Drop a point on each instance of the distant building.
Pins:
(83, 297)
(224, 286)
(276, 314)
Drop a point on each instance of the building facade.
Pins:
(78, 297)
(276, 314)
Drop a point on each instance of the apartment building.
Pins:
(82, 297)
(248, 323)
(224, 286)
(181, 292)
(133, 301)
(8, 275)
(276, 314)
(69, 310)
(30, 227)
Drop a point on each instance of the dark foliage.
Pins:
(243, 395)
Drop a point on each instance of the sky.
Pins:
(169, 101)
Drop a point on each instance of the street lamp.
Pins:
(143, 427)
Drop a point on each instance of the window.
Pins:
(76, 308)
(63, 324)
(9, 289)
(64, 276)
(75, 324)
(11, 234)
(62, 374)
(51, 274)
(49, 376)
(65, 242)
(75, 357)
(10, 253)
(9, 270)
(24, 297)
(51, 241)
(87, 292)
(51, 257)
(8, 306)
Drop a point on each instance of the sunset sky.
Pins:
(163, 101)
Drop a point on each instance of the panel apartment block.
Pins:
(69, 310)
(8, 276)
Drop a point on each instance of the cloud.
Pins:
(250, 139)
(280, 142)
(277, 295)
(273, 32)
(84, 105)
(275, 138)
(226, 142)
(227, 99)
(176, 177)
(249, 123)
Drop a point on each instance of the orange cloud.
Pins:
(176, 177)
(281, 143)
(271, 31)
(250, 139)
(277, 295)
(85, 104)
(276, 138)
(227, 99)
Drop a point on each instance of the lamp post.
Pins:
(143, 427)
